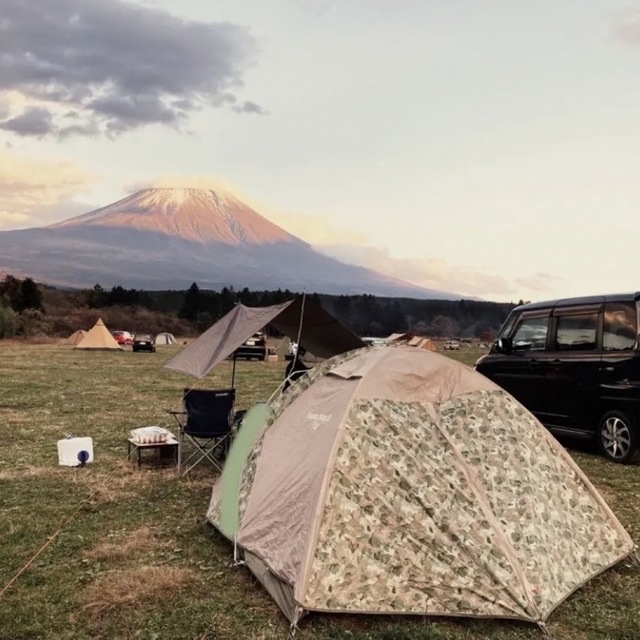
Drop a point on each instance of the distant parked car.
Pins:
(451, 345)
(144, 342)
(254, 347)
(374, 342)
(122, 337)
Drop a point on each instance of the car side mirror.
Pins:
(504, 345)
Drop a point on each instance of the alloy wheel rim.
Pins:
(616, 437)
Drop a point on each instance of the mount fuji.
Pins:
(168, 238)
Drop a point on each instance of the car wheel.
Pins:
(617, 437)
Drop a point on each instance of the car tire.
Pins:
(617, 437)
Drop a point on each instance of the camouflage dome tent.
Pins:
(395, 480)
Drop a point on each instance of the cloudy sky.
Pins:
(487, 148)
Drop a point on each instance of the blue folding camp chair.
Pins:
(206, 427)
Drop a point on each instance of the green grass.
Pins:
(139, 560)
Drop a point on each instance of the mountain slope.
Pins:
(169, 238)
(192, 214)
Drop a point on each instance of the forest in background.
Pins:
(30, 309)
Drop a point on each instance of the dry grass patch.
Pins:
(129, 588)
(32, 472)
(202, 477)
(138, 541)
(122, 480)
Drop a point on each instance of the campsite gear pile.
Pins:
(150, 435)
(396, 480)
(209, 418)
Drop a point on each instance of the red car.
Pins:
(122, 337)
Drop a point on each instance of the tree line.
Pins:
(27, 308)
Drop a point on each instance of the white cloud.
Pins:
(443, 276)
(315, 230)
(13, 217)
(540, 282)
(184, 181)
(627, 27)
(110, 66)
(35, 192)
(425, 272)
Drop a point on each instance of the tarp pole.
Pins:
(295, 356)
(233, 371)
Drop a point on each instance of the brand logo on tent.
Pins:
(316, 419)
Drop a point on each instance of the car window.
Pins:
(531, 334)
(620, 326)
(576, 332)
(505, 329)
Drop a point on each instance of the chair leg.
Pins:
(200, 451)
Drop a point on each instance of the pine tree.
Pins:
(10, 290)
(192, 303)
(30, 296)
(96, 297)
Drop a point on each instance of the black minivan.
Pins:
(575, 364)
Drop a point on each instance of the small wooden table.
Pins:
(169, 446)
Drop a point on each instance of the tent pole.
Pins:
(233, 371)
(295, 355)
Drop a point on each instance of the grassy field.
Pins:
(139, 561)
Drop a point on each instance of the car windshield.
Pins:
(143, 337)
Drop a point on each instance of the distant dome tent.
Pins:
(165, 338)
(76, 337)
(99, 338)
(393, 480)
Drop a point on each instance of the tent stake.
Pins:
(545, 630)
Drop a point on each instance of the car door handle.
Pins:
(607, 369)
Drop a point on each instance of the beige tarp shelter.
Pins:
(399, 337)
(98, 338)
(320, 333)
(412, 340)
(394, 480)
(164, 338)
(423, 343)
(76, 337)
